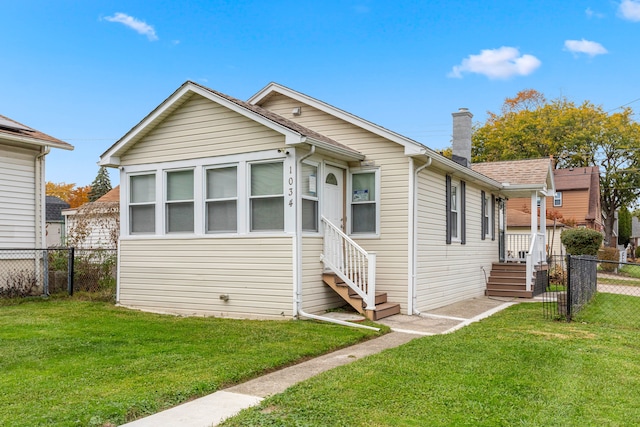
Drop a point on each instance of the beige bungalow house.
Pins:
(285, 206)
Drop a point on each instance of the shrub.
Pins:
(581, 241)
(638, 252)
(608, 254)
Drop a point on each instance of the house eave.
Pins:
(34, 141)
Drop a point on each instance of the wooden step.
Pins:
(508, 293)
(512, 285)
(381, 297)
(508, 279)
(383, 310)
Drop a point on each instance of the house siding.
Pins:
(187, 276)
(392, 245)
(17, 198)
(448, 273)
(201, 128)
(317, 297)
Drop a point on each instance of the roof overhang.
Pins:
(25, 140)
(112, 156)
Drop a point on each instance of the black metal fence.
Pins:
(33, 272)
(579, 282)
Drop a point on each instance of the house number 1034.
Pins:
(290, 186)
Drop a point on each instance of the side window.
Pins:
(142, 204)
(221, 200)
(455, 210)
(455, 202)
(179, 202)
(266, 197)
(364, 203)
(485, 203)
(557, 199)
(309, 197)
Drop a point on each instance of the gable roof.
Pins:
(294, 132)
(14, 131)
(53, 208)
(411, 147)
(583, 178)
(525, 175)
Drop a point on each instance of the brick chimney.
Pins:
(461, 148)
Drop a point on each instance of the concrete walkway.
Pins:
(212, 409)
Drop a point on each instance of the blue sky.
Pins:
(87, 71)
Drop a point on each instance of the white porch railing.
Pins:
(355, 266)
(527, 248)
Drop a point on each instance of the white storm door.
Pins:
(333, 196)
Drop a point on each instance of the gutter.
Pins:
(413, 227)
(39, 197)
(297, 258)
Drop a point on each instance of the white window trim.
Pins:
(286, 188)
(557, 197)
(456, 185)
(350, 174)
(487, 214)
(166, 202)
(317, 198)
(239, 186)
(199, 166)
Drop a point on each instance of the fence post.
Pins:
(70, 270)
(568, 288)
(45, 259)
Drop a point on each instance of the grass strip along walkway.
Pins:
(78, 363)
(514, 368)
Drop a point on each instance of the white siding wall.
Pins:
(391, 247)
(17, 198)
(450, 273)
(99, 232)
(201, 128)
(187, 276)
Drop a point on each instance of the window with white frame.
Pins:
(454, 212)
(142, 203)
(309, 197)
(485, 216)
(266, 197)
(557, 199)
(179, 202)
(221, 199)
(364, 202)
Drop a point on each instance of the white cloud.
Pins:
(593, 14)
(501, 63)
(139, 26)
(585, 46)
(630, 10)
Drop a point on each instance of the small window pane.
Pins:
(309, 215)
(331, 179)
(266, 179)
(454, 198)
(222, 216)
(454, 224)
(142, 218)
(143, 188)
(179, 217)
(309, 180)
(267, 214)
(222, 183)
(364, 187)
(180, 185)
(364, 218)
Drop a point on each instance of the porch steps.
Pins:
(383, 307)
(508, 280)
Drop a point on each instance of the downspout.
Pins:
(413, 241)
(297, 249)
(40, 240)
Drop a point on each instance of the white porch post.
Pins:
(534, 212)
(543, 226)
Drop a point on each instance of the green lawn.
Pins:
(512, 369)
(79, 363)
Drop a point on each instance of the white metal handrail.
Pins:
(349, 261)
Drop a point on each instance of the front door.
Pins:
(333, 206)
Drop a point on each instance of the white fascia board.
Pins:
(336, 112)
(33, 141)
(339, 151)
(112, 155)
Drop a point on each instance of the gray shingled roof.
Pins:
(53, 208)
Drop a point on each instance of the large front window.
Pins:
(266, 197)
(142, 204)
(364, 203)
(179, 204)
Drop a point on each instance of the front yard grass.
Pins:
(79, 363)
(514, 368)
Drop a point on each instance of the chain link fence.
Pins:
(42, 272)
(603, 288)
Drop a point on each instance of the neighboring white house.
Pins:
(94, 225)
(234, 208)
(22, 200)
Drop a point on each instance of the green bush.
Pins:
(581, 241)
(638, 252)
(608, 254)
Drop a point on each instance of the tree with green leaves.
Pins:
(624, 226)
(529, 126)
(101, 185)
